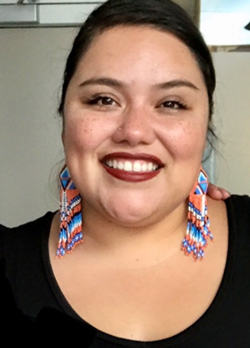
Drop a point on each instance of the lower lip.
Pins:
(131, 176)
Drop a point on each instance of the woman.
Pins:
(137, 104)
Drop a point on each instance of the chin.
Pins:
(132, 217)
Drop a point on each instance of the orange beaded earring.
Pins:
(70, 215)
(198, 229)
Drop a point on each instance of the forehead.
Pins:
(139, 49)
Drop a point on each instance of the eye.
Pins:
(172, 104)
(101, 101)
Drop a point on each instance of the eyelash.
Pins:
(176, 105)
(170, 104)
(97, 98)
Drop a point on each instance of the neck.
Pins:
(147, 240)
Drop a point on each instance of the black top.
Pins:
(31, 300)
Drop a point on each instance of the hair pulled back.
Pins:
(163, 15)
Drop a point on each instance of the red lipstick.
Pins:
(132, 167)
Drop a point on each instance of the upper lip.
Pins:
(133, 157)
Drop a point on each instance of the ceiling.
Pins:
(221, 22)
(225, 6)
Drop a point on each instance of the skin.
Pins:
(216, 192)
(136, 122)
(130, 264)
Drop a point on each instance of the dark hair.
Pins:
(164, 15)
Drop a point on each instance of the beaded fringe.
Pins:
(70, 215)
(198, 228)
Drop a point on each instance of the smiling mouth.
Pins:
(132, 168)
(136, 166)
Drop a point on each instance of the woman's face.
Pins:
(135, 123)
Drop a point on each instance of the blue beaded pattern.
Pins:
(70, 215)
(198, 226)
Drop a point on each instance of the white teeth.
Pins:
(150, 167)
(120, 165)
(128, 166)
(115, 164)
(135, 166)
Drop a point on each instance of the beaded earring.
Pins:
(198, 228)
(70, 215)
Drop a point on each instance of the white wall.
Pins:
(232, 116)
(31, 67)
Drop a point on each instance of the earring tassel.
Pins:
(198, 228)
(70, 215)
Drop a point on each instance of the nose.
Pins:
(135, 128)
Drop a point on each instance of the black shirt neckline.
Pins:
(205, 320)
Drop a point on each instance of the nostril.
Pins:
(134, 130)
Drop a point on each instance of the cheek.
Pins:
(184, 140)
(81, 134)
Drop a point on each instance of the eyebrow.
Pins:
(177, 83)
(106, 81)
(103, 81)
